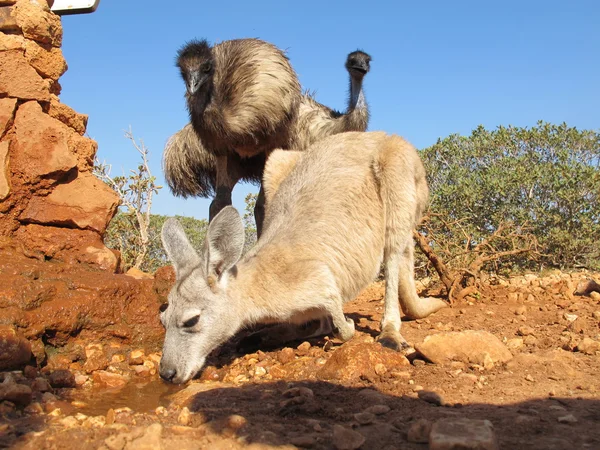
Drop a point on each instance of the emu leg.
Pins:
(225, 181)
(259, 211)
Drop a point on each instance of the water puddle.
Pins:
(140, 397)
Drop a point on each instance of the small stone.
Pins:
(69, 422)
(469, 377)
(588, 346)
(113, 380)
(80, 379)
(569, 418)
(380, 369)
(62, 378)
(303, 441)
(364, 418)
(117, 358)
(570, 317)
(525, 330)
(184, 416)
(520, 310)
(345, 439)
(378, 410)
(15, 350)
(515, 343)
(529, 378)
(596, 315)
(260, 371)
(431, 397)
(530, 340)
(18, 394)
(41, 385)
(235, 421)
(464, 434)
(303, 348)
(286, 355)
(418, 432)
(418, 362)
(30, 372)
(136, 357)
(34, 408)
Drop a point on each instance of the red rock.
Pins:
(479, 347)
(4, 171)
(19, 394)
(41, 144)
(450, 434)
(37, 22)
(68, 245)
(10, 41)
(84, 202)
(48, 61)
(62, 378)
(346, 439)
(138, 274)
(285, 355)
(588, 346)
(85, 149)
(357, 360)
(8, 24)
(69, 117)
(112, 380)
(15, 350)
(7, 113)
(19, 79)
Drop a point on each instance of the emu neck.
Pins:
(200, 100)
(357, 97)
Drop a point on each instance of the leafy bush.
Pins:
(529, 195)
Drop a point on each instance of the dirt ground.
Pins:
(322, 394)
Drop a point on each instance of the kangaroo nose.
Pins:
(167, 374)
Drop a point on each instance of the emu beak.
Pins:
(194, 83)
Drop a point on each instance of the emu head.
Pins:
(198, 317)
(358, 64)
(196, 65)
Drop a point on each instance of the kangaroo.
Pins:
(334, 212)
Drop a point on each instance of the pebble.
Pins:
(431, 397)
(303, 441)
(62, 378)
(40, 384)
(515, 343)
(364, 418)
(235, 421)
(345, 439)
(464, 434)
(69, 422)
(136, 357)
(286, 355)
(529, 378)
(260, 371)
(569, 418)
(378, 410)
(520, 310)
(525, 330)
(18, 394)
(570, 317)
(596, 315)
(588, 346)
(303, 348)
(184, 416)
(530, 340)
(418, 432)
(380, 369)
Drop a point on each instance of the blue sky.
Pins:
(438, 67)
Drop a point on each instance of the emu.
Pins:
(333, 213)
(237, 120)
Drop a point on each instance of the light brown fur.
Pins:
(335, 212)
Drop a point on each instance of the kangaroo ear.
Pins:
(224, 242)
(179, 249)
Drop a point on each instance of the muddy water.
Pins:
(140, 397)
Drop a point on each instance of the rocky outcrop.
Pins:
(49, 200)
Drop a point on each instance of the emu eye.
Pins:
(207, 68)
(162, 308)
(191, 322)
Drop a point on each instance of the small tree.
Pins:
(249, 222)
(135, 191)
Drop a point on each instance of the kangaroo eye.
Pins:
(162, 308)
(191, 322)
